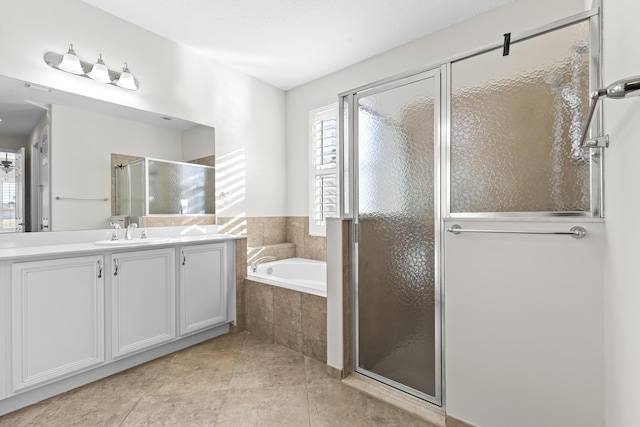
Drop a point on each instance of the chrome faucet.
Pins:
(130, 230)
(256, 263)
(116, 227)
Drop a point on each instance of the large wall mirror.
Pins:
(61, 154)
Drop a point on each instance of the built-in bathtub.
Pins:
(298, 274)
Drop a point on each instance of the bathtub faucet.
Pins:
(256, 263)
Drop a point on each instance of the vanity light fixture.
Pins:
(126, 79)
(70, 63)
(100, 72)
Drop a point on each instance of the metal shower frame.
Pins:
(347, 160)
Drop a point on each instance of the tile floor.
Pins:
(233, 380)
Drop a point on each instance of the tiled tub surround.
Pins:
(279, 236)
(296, 320)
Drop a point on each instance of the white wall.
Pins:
(198, 142)
(13, 143)
(81, 147)
(524, 326)
(248, 114)
(622, 267)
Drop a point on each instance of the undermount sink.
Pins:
(133, 242)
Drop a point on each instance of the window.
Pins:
(8, 208)
(323, 176)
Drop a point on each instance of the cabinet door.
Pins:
(203, 287)
(143, 300)
(58, 318)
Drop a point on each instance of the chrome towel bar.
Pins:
(576, 232)
(104, 199)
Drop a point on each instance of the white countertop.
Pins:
(61, 243)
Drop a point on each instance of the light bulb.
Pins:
(100, 72)
(126, 79)
(70, 62)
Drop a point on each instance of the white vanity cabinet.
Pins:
(203, 286)
(73, 313)
(142, 300)
(57, 318)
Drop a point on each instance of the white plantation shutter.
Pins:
(8, 207)
(323, 195)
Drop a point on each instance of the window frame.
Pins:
(11, 191)
(327, 111)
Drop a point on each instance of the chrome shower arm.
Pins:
(616, 90)
(595, 96)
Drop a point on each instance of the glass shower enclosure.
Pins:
(396, 308)
(148, 187)
(486, 135)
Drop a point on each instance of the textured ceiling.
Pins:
(287, 43)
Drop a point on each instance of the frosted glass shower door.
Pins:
(397, 312)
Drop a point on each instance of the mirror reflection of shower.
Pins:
(153, 187)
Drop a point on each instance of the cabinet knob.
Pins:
(116, 266)
(184, 258)
(99, 269)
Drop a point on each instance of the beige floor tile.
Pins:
(103, 411)
(259, 348)
(269, 373)
(193, 410)
(221, 360)
(229, 342)
(132, 383)
(234, 380)
(317, 373)
(193, 373)
(22, 417)
(340, 405)
(263, 364)
(281, 407)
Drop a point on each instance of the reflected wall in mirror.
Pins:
(72, 144)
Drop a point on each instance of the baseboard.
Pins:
(418, 407)
(334, 373)
(455, 422)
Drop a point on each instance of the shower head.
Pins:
(617, 90)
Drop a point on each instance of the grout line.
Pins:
(130, 411)
(306, 386)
